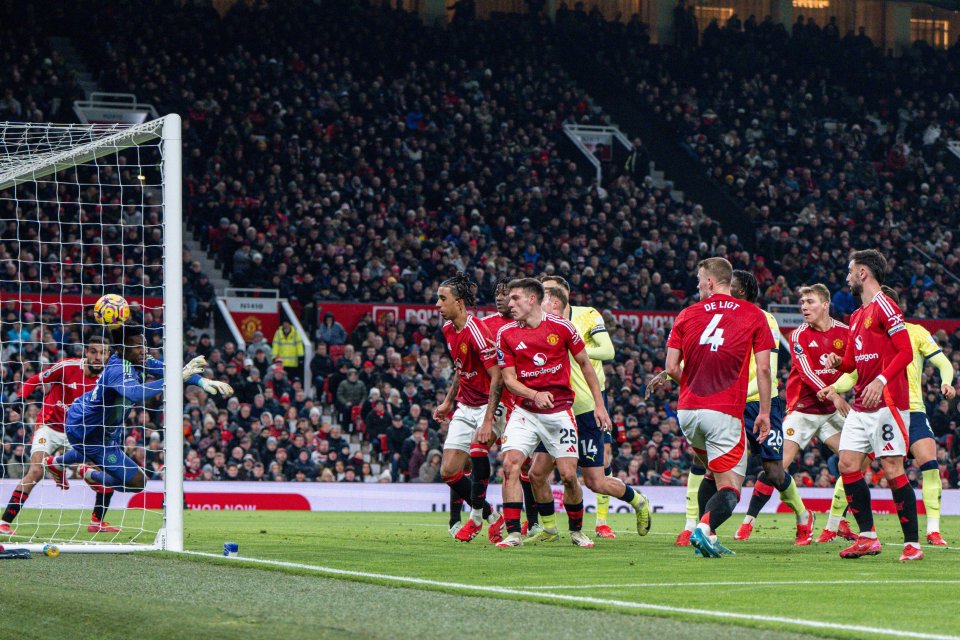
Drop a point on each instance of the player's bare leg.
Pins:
(512, 497)
(924, 452)
(541, 467)
(597, 481)
(573, 501)
(21, 492)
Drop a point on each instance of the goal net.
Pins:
(88, 210)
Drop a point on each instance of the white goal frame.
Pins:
(170, 535)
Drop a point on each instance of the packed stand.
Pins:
(337, 170)
(347, 173)
(823, 160)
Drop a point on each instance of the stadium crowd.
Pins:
(822, 160)
(320, 163)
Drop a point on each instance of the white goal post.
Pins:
(68, 194)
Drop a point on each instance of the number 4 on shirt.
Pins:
(713, 335)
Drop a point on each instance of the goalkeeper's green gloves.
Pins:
(195, 367)
(215, 387)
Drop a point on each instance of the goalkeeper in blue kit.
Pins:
(95, 421)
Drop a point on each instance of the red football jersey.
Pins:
(541, 357)
(67, 382)
(879, 344)
(717, 338)
(494, 323)
(809, 372)
(466, 348)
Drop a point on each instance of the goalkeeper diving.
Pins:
(95, 420)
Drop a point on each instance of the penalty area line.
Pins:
(560, 597)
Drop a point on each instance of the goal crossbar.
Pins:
(41, 165)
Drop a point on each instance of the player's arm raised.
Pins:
(600, 409)
(128, 386)
(444, 408)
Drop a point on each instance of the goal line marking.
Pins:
(560, 597)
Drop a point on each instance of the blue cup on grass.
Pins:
(231, 549)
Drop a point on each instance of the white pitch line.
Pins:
(732, 584)
(707, 613)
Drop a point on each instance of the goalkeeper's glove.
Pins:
(194, 367)
(215, 387)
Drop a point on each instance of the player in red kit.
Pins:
(476, 388)
(808, 416)
(534, 353)
(67, 380)
(879, 350)
(713, 339)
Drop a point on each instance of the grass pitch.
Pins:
(400, 575)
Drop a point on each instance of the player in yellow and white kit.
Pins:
(923, 446)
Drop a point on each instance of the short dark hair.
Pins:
(530, 285)
(503, 284)
(121, 336)
(872, 260)
(558, 279)
(92, 340)
(751, 290)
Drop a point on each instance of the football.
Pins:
(111, 310)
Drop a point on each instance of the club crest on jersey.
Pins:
(42, 441)
(867, 323)
(539, 359)
(463, 348)
(790, 431)
(838, 344)
(112, 458)
(553, 339)
(797, 349)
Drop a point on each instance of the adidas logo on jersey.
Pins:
(888, 447)
(572, 449)
(520, 345)
(812, 344)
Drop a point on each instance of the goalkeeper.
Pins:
(94, 423)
